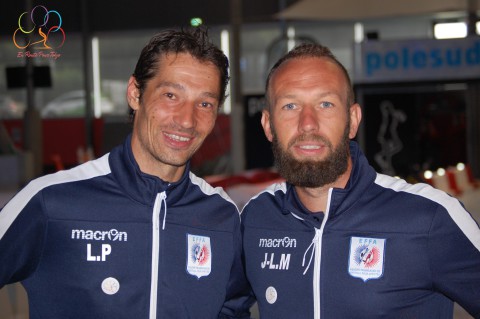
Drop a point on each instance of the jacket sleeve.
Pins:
(22, 229)
(454, 248)
(239, 298)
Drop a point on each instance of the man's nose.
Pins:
(308, 120)
(185, 116)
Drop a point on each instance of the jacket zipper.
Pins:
(318, 260)
(157, 210)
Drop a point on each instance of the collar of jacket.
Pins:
(361, 178)
(140, 186)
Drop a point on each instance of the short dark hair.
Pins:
(193, 41)
(309, 50)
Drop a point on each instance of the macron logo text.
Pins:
(286, 242)
(100, 235)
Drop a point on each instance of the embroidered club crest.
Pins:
(366, 258)
(199, 255)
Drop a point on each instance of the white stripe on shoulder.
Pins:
(208, 189)
(98, 167)
(271, 189)
(456, 211)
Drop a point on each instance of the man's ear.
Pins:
(133, 94)
(266, 124)
(355, 118)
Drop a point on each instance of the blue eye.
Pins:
(326, 104)
(289, 106)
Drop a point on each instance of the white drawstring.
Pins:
(156, 215)
(163, 198)
(312, 245)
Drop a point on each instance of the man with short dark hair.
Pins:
(337, 239)
(135, 234)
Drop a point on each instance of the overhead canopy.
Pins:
(365, 9)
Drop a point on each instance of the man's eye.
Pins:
(326, 104)
(169, 95)
(289, 106)
(206, 104)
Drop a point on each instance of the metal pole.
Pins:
(472, 18)
(29, 64)
(32, 123)
(473, 101)
(237, 120)
(87, 74)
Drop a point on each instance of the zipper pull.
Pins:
(158, 208)
(163, 199)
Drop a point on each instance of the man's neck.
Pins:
(315, 199)
(152, 166)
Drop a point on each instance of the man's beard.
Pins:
(309, 173)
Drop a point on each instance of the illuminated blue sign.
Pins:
(413, 60)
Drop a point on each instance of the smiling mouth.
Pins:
(309, 147)
(178, 138)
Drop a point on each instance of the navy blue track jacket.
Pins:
(383, 249)
(104, 240)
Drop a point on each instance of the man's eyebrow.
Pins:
(171, 84)
(211, 95)
(319, 95)
(286, 96)
(178, 86)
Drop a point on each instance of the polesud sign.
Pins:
(413, 60)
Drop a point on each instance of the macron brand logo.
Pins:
(285, 242)
(99, 235)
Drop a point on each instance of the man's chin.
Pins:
(307, 160)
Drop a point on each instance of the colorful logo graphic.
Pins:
(199, 255)
(41, 29)
(366, 257)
